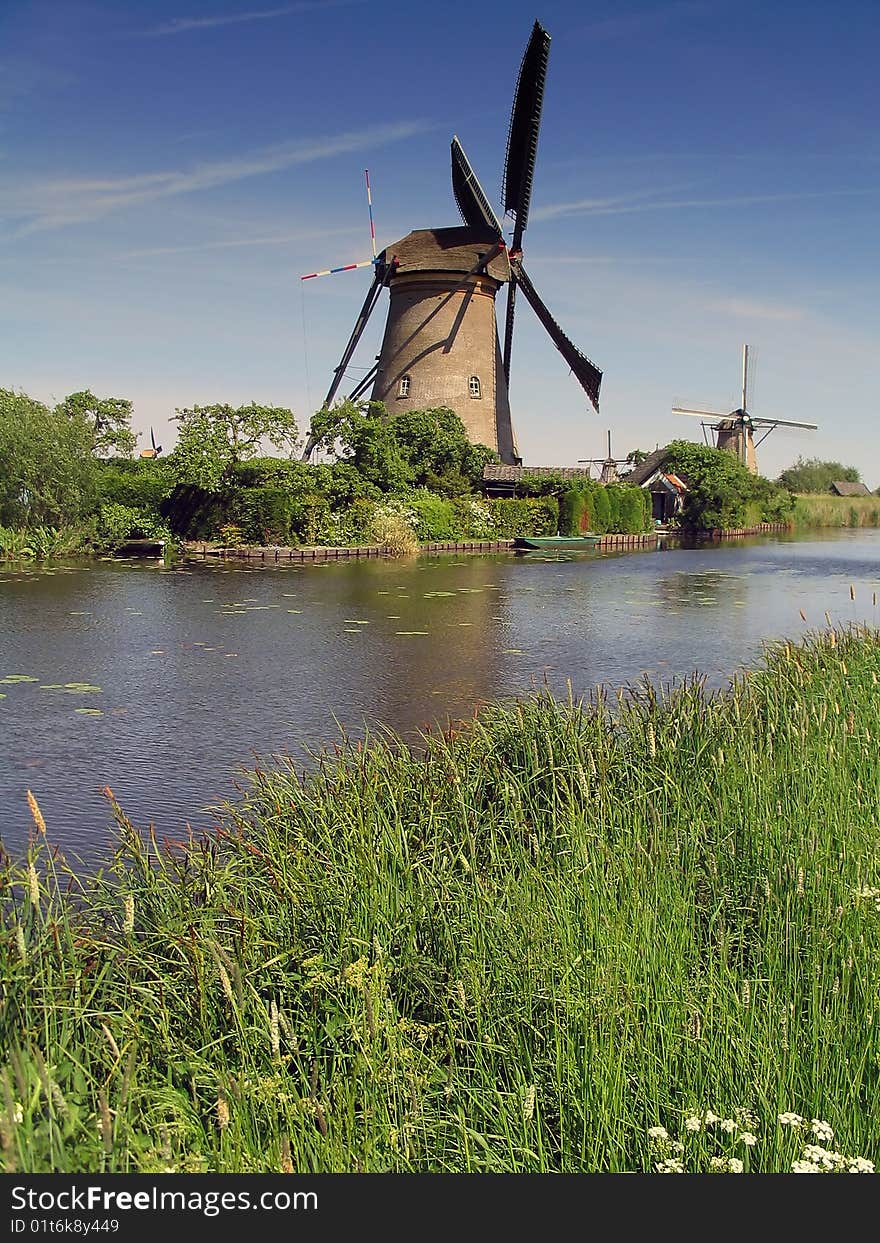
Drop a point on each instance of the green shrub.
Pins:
(600, 510)
(265, 514)
(435, 517)
(143, 484)
(311, 521)
(474, 518)
(631, 511)
(572, 509)
(116, 523)
(525, 516)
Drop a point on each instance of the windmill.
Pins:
(441, 345)
(735, 431)
(154, 451)
(607, 465)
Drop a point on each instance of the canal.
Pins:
(165, 682)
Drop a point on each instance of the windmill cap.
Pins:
(449, 250)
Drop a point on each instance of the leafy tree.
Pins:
(813, 475)
(109, 419)
(417, 448)
(47, 471)
(721, 491)
(214, 440)
(637, 456)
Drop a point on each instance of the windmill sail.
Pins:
(476, 210)
(586, 373)
(525, 121)
(519, 163)
(357, 332)
(810, 427)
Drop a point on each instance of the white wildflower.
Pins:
(718, 1165)
(859, 1165)
(826, 1160)
(710, 1119)
(734, 1165)
(728, 1125)
(18, 1116)
(676, 1146)
(789, 1119)
(693, 1123)
(748, 1139)
(669, 1166)
(658, 1133)
(821, 1130)
(804, 1167)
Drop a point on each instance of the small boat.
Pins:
(140, 548)
(543, 543)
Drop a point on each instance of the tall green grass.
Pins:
(517, 948)
(815, 510)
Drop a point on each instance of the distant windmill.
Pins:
(735, 431)
(440, 346)
(156, 449)
(608, 465)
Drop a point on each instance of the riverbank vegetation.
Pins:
(816, 510)
(68, 481)
(636, 933)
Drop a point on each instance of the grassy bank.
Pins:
(816, 510)
(521, 948)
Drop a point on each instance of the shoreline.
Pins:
(357, 552)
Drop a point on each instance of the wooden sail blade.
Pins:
(473, 203)
(586, 372)
(525, 122)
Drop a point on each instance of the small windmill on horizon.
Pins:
(735, 431)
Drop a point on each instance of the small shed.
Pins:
(844, 488)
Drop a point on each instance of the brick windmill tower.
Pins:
(441, 345)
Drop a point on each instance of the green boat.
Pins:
(543, 543)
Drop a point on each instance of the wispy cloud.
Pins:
(273, 239)
(184, 25)
(622, 207)
(645, 21)
(746, 308)
(53, 203)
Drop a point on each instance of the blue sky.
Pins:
(708, 174)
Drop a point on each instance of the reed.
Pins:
(534, 943)
(815, 510)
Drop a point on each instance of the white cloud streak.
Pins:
(746, 308)
(185, 25)
(54, 203)
(623, 207)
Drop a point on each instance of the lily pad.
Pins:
(12, 678)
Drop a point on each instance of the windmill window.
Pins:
(474, 386)
(403, 386)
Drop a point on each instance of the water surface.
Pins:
(163, 683)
